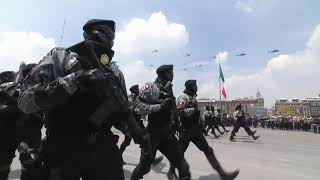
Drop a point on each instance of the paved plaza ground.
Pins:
(277, 155)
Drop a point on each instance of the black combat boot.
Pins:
(219, 131)
(253, 132)
(255, 137)
(232, 138)
(214, 133)
(157, 161)
(216, 165)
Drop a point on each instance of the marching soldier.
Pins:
(241, 122)
(189, 113)
(157, 101)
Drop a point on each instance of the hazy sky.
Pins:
(176, 28)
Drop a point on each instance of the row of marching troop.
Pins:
(78, 94)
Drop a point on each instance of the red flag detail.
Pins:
(224, 93)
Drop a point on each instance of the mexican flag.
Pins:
(223, 91)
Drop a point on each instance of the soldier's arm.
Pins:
(205, 114)
(182, 102)
(126, 116)
(145, 108)
(147, 100)
(46, 87)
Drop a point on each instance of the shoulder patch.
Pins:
(72, 61)
(181, 104)
(144, 89)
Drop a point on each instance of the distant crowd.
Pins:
(281, 123)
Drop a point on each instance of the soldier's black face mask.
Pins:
(101, 34)
(168, 76)
(195, 88)
(192, 88)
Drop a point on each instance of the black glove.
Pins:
(167, 104)
(91, 78)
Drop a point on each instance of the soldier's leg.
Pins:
(32, 137)
(107, 165)
(203, 128)
(203, 145)
(223, 127)
(184, 139)
(4, 169)
(9, 141)
(171, 148)
(216, 126)
(234, 131)
(208, 127)
(125, 143)
(60, 174)
(4, 173)
(144, 166)
(6, 157)
(249, 132)
(213, 131)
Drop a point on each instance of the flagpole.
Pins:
(220, 91)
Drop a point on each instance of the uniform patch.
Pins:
(104, 59)
(72, 61)
(144, 89)
(181, 104)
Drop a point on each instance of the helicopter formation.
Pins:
(203, 63)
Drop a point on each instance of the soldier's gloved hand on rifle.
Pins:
(167, 104)
(91, 78)
(28, 156)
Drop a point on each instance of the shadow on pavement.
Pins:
(158, 169)
(15, 174)
(210, 177)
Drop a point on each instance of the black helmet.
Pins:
(164, 68)
(134, 89)
(189, 83)
(94, 22)
(6, 76)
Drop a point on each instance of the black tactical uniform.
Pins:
(9, 132)
(132, 101)
(16, 126)
(213, 123)
(84, 94)
(156, 99)
(241, 122)
(219, 120)
(189, 113)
